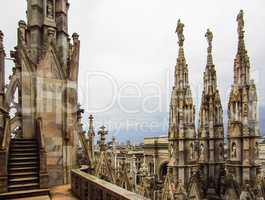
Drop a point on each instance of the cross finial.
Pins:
(179, 31)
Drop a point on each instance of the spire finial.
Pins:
(179, 31)
(240, 30)
(209, 36)
(91, 129)
(240, 21)
(1, 39)
(102, 132)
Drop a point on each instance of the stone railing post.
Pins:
(3, 171)
(43, 173)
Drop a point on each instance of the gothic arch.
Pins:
(12, 87)
(163, 170)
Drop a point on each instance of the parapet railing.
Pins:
(4, 148)
(6, 137)
(43, 172)
(88, 187)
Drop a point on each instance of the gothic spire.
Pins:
(210, 130)
(2, 67)
(243, 124)
(181, 131)
(209, 36)
(1, 40)
(181, 73)
(242, 65)
(90, 138)
(210, 83)
(240, 30)
(102, 133)
(91, 128)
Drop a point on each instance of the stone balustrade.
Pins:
(88, 187)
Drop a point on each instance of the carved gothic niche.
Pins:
(50, 9)
(202, 151)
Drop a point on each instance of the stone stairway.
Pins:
(23, 170)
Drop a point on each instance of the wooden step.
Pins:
(23, 154)
(19, 150)
(24, 186)
(21, 141)
(22, 174)
(16, 169)
(27, 146)
(22, 158)
(24, 180)
(24, 193)
(18, 163)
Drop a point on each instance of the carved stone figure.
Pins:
(191, 151)
(240, 21)
(257, 149)
(209, 36)
(50, 9)
(171, 149)
(179, 31)
(202, 152)
(234, 150)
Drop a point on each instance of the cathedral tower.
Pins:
(45, 79)
(211, 130)
(182, 135)
(2, 82)
(46, 17)
(243, 127)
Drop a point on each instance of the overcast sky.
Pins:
(129, 48)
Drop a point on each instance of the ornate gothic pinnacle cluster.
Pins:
(211, 130)
(182, 134)
(197, 161)
(243, 127)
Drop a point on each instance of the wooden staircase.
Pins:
(23, 170)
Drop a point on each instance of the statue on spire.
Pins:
(209, 36)
(179, 31)
(240, 21)
(1, 39)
